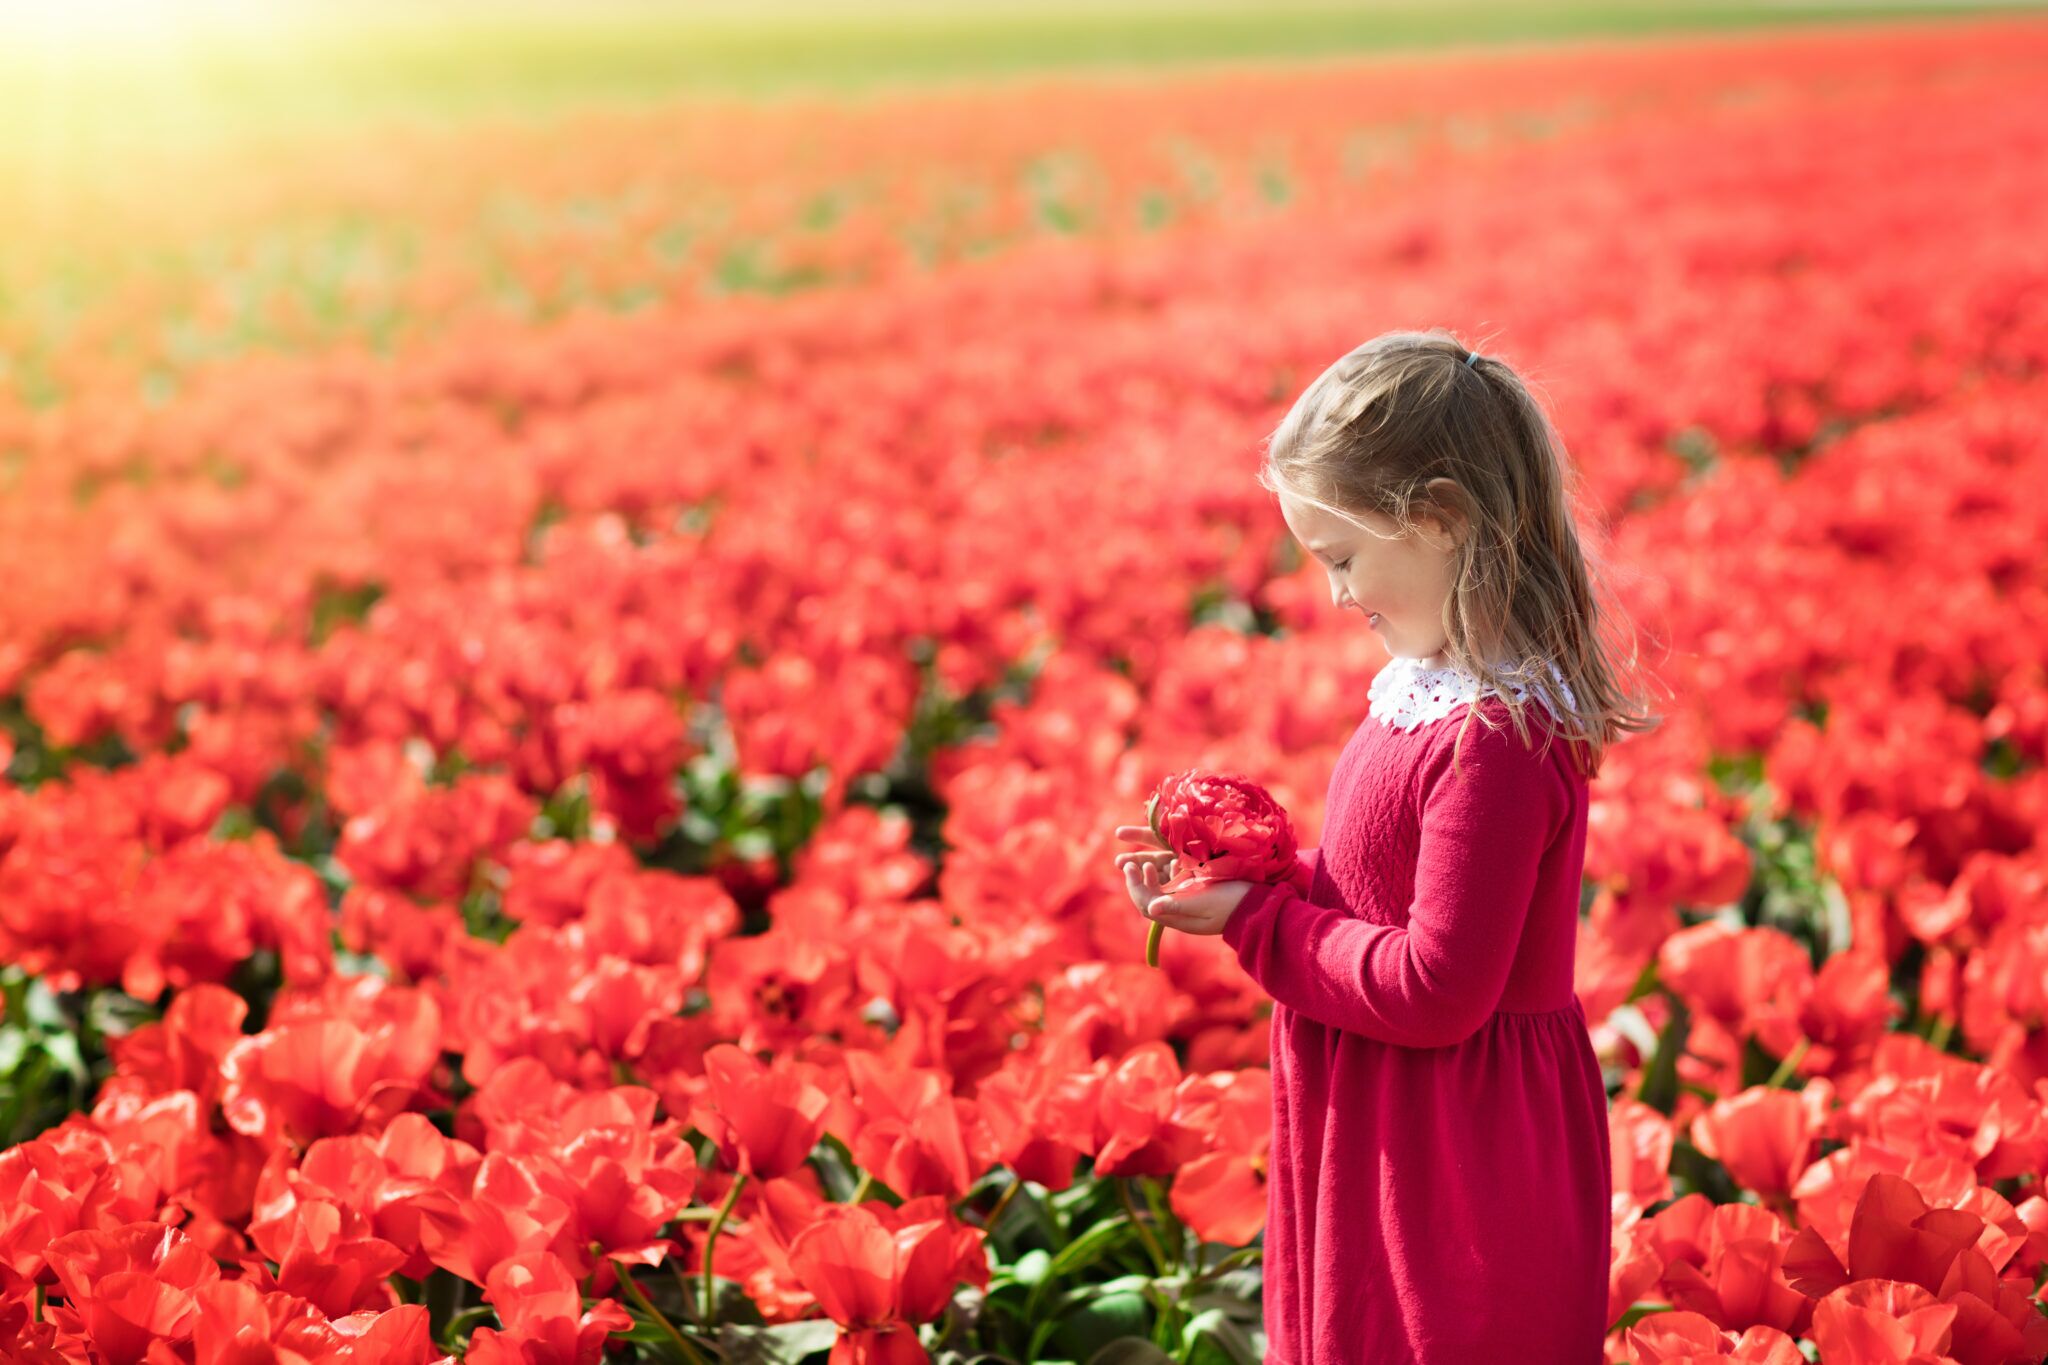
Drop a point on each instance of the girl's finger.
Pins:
(1140, 834)
(1204, 907)
(1174, 912)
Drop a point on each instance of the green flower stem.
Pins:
(1162, 1215)
(732, 1196)
(1241, 1256)
(1789, 1065)
(1123, 1185)
(995, 1214)
(1943, 1026)
(860, 1191)
(458, 1328)
(683, 1286)
(639, 1296)
(1168, 1330)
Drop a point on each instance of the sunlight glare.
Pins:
(70, 30)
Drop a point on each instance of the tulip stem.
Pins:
(639, 1296)
(732, 1196)
(988, 1224)
(1123, 1186)
(1789, 1065)
(860, 1191)
(1241, 1256)
(1943, 1026)
(683, 1287)
(1164, 1218)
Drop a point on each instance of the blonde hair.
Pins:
(1379, 428)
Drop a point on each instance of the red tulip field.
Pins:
(564, 702)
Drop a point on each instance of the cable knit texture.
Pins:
(1438, 1191)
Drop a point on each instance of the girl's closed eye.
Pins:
(1339, 568)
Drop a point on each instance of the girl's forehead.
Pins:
(1311, 522)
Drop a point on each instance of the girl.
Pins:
(1439, 1184)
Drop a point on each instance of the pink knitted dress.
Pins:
(1438, 1189)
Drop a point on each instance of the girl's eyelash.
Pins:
(1338, 568)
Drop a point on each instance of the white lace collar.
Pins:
(1405, 694)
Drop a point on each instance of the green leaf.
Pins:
(1215, 1336)
(62, 1048)
(41, 1008)
(1245, 1284)
(24, 1095)
(1044, 1320)
(1130, 1351)
(1694, 1172)
(1091, 1246)
(1032, 1267)
(13, 1047)
(463, 1324)
(1232, 1306)
(646, 1332)
(785, 1343)
(112, 1013)
(835, 1168)
(1079, 1323)
(1077, 1255)
(1757, 1064)
(1660, 1078)
(1637, 1312)
(1646, 983)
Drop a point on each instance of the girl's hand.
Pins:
(1198, 912)
(1145, 860)
(1145, 870)
(1144, 877)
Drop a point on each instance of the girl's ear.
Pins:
(1447, 514)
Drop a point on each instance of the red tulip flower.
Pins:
(129, 1287)
(1221, 827)
(878, 1271)
(1221, 1195)
(545, 1321)
(1763, 1136)
(764, 1122)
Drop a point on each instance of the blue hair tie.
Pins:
(1471, 357)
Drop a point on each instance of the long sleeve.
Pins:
(1305, 869)
(1435, 980)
